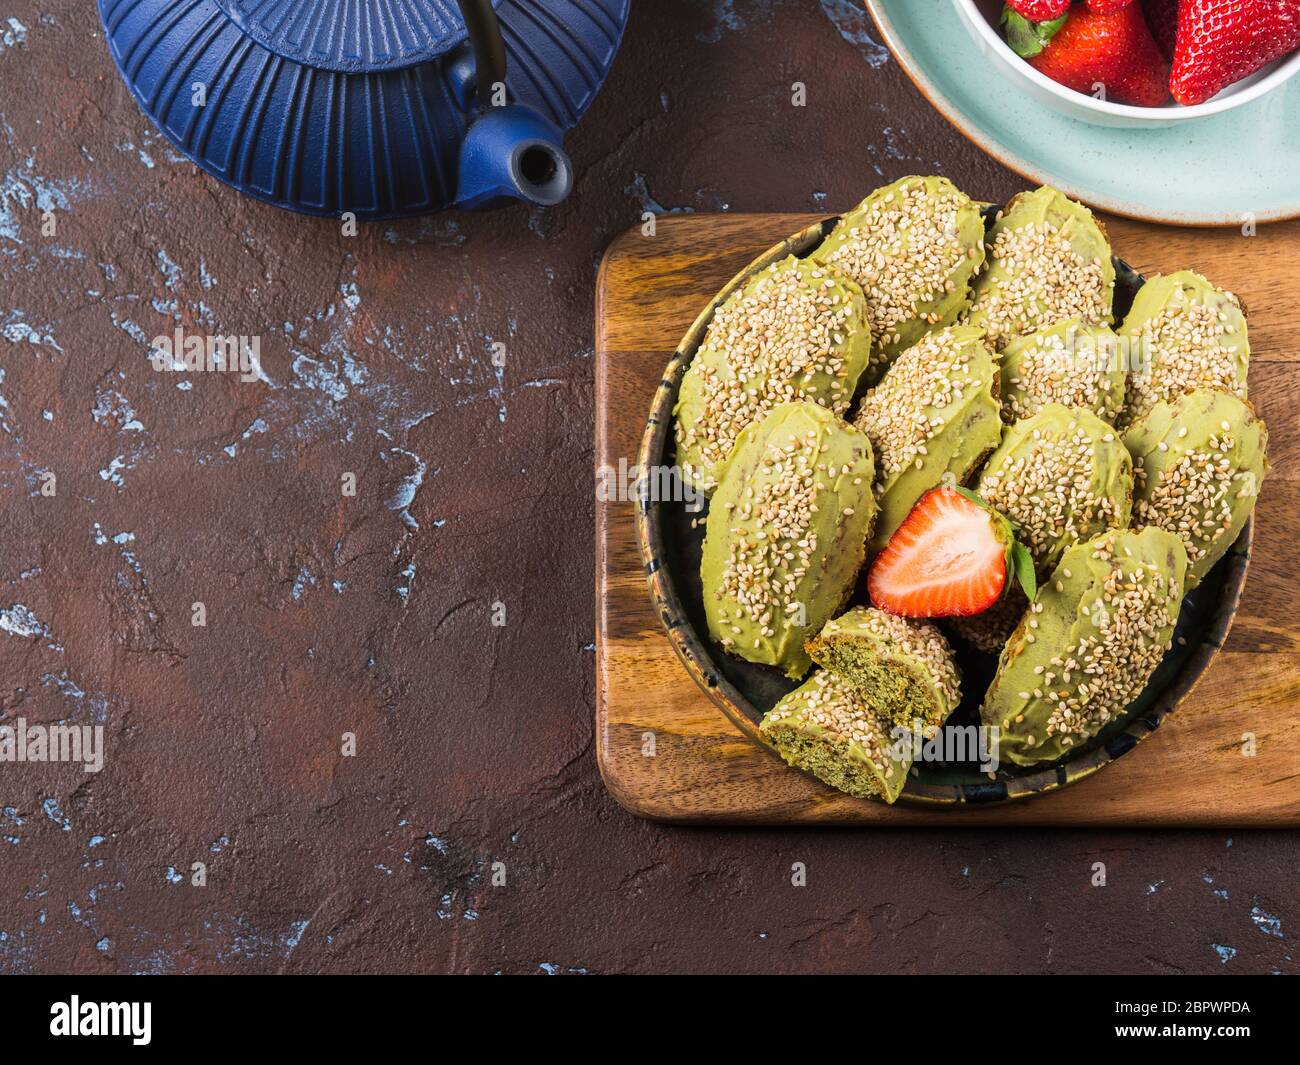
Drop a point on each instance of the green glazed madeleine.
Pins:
(1048, 261)
(1070, 363)
(900, 667)
(934, 413)
(1088, 644)
(913, 246)
(1183, 333)
(1199, 462)
(795, 331)
(1062, 476)
(825, 728)
(786, 533)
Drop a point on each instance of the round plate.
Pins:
(670, 539)
(1224, 170)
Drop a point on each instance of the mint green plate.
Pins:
(1223, 170)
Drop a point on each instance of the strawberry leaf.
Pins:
(1021, 563)
(974, 497)
(1028, 39)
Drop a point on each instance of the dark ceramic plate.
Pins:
(671, 544)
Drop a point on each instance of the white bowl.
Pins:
(982, 20)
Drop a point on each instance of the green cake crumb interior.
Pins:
(826, 728)
(908, 695)
(828, 758)
(901, 667)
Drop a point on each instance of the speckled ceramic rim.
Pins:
(697, 656)
(1007, 158)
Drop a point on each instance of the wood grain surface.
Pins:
(1191, 772)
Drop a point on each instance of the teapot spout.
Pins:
(512, 153)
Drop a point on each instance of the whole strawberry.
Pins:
(1114, 55)
(1222, 41)
(1039, 10)
(1107, 7)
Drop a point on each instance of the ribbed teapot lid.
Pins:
(351, 35)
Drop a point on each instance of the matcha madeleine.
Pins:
(826, 728)
(1198, 463)
(795, 331)
(913, 246)
(1184, 333)
(1070, 363)
(1048, 261)
(1062, 476)
(786, 533)
(1088, 645)
(901, 667)
(934, 413)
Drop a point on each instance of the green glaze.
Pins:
(1089, 643)
(1017, 288)
(901, 667)
(956, 433)
(1200, 462)
(825, 728)
(1167, 311)
(1062, 476)
(786, 533)
(754, 357)
(1069, 363)
(914, 264)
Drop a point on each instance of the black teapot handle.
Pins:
(489, 47)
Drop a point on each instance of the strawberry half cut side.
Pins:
(951, 557)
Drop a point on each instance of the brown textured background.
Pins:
(328, 615)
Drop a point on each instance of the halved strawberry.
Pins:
(951, 557)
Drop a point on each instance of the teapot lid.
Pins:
(351, 36)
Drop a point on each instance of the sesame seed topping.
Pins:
(830, 703)
(1185, 349)
(773, 548)
(903, 249)
(1131, 629)
(1057, 490)
(1045, 281)
(920, 640)
(916, 399)
(780, 338)
(1193, 496)
(1052, 368)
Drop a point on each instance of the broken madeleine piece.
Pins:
(826, 728)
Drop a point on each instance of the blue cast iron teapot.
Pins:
(381, 108)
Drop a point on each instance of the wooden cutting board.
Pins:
(1192, 771)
